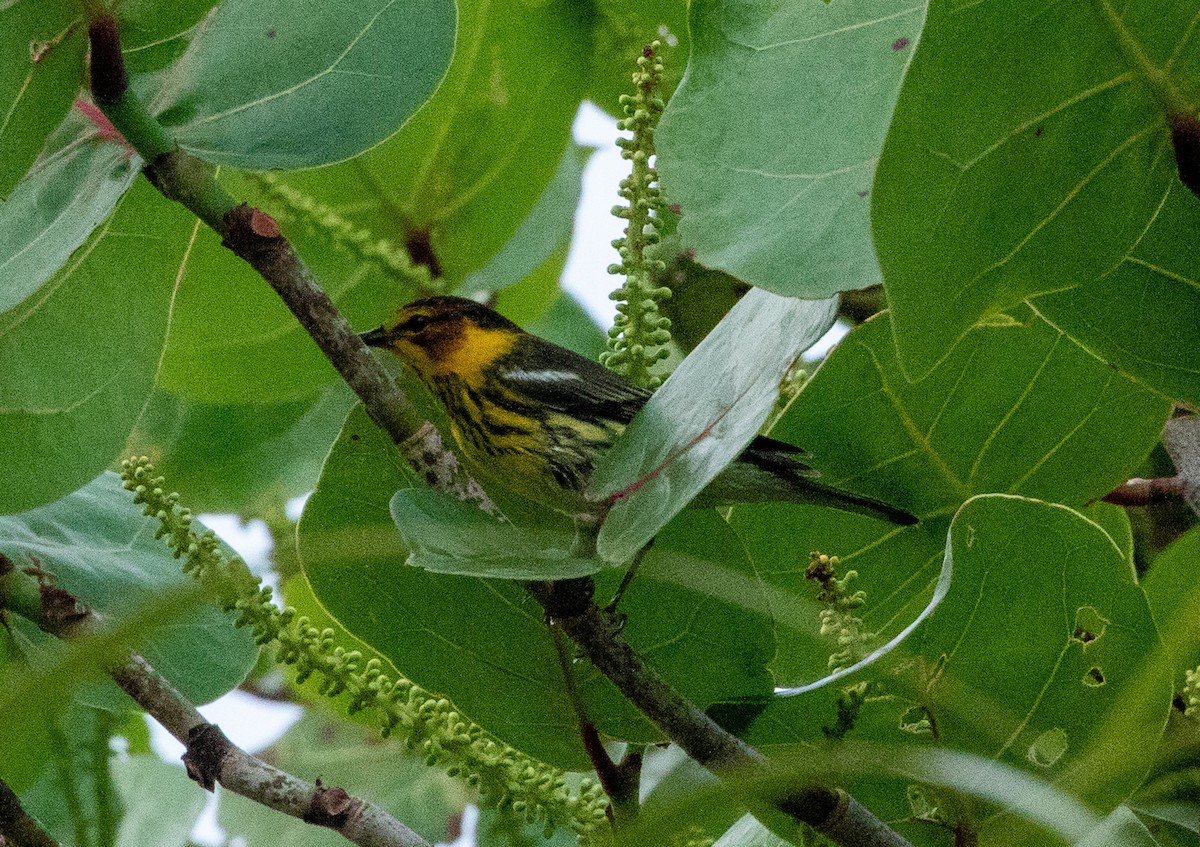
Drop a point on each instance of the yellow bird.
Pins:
(536, 417)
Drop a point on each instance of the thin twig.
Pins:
(1147, 492)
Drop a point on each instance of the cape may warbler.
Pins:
(536, 417)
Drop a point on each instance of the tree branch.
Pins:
(17, 827)
(1147, 492)
(255, 237)
(833, 813)
(210, 756)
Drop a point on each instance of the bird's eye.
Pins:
(415, 324)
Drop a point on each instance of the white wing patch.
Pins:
(544, 377)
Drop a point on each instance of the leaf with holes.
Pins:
(1015, 408)
(1042, 656)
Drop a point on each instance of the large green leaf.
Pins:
(1042, 656)
(255, 85)
(697, 612)
(42, 44)
(999, 182)
(704, 415)
(460, 176)
(1173, 590)
(545, 230)
(79, 359)
(159, 803)
(769, 146)
(99, 547)
(70, 190)
(1138, 315)
(70, 798)
(248, 458)
(1014, 408)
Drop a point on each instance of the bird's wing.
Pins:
(563, 380)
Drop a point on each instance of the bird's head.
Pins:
(443, 336)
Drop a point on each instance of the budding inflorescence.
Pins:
(640, 334)
(838, 621)
(431, 726)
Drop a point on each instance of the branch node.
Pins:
(330, 807)
(207, 748)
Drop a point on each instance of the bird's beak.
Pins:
(374, 338)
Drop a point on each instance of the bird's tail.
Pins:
(765, 474)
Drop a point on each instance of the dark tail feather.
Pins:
(819, 494)
(762, 476)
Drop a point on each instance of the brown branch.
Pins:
(210, 757)
(1147, 492)
(832, 812)
(17, 827)
(213, 758)
(255, 237)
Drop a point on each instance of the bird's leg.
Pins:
(611, 608)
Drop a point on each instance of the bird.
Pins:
(535, 417)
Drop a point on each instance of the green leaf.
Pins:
(99, 547)
(545, 230)
(154, 33)
(1077, 694)
(42, 44)
(79, 360)
(258, 353)
(482, 643)
(1155, 286)
(160, 804)
(702, 418)
(378, 61)
(446, 535)
(998, 184)
(423, 798)
(697, 613)
(73, 795)
(67, 194)
(1015, 408)
(460, 177)
(770, 143)
(248, 458)
(1174, 594)
(1120, 829)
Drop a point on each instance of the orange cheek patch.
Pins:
(472, 351)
